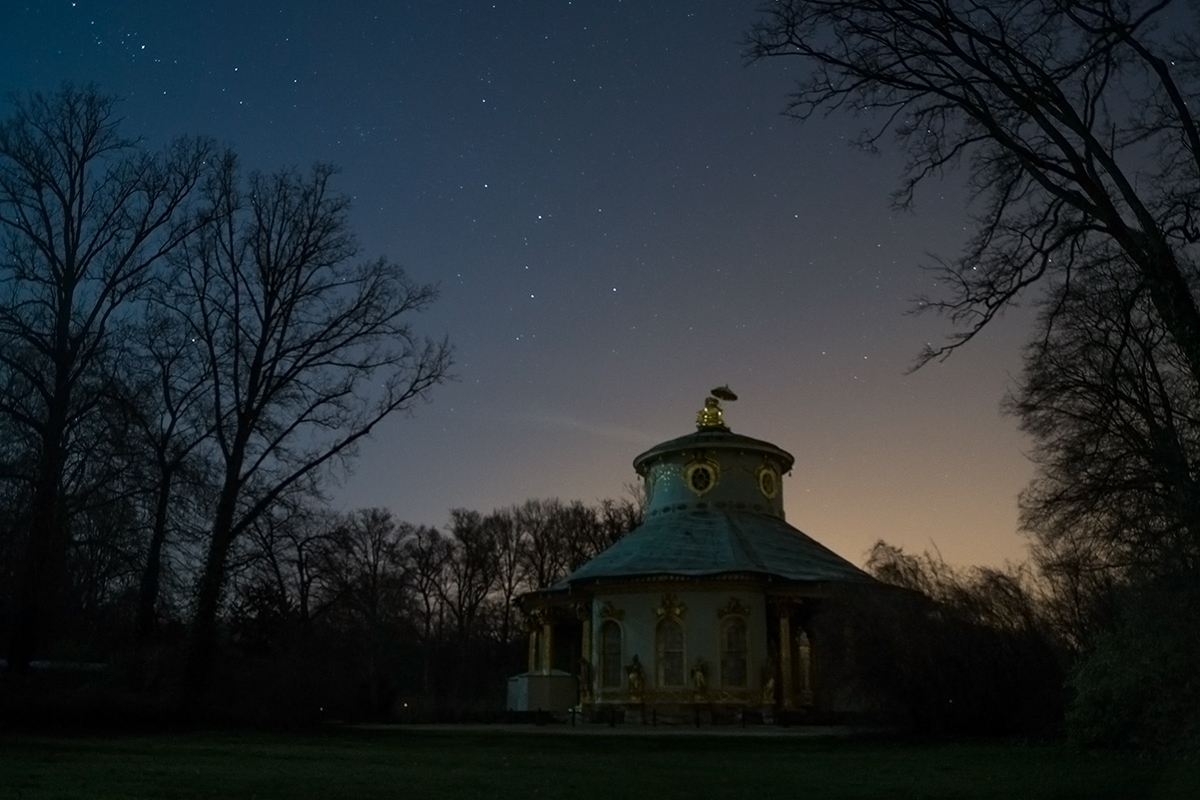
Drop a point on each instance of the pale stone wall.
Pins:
(737, 486)
(638, 612)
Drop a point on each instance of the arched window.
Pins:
(669, 646)
(733, 652)
(610, 655)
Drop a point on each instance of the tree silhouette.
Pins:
(306, 350)
(85, 217)
(1073, 121)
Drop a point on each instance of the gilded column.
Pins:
(533, 648)
(585, 654)
(805, 653)
(547, 644)
(785, 656)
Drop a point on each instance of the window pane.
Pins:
(672, 667)
(670, 653)
(733, 652)
(610, 654)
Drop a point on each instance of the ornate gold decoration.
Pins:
(804, 652)
(609, 611)
(710, 417)
(785, 659)
(734, 606)
(635, 680)
(585, 681)
(768, 481)
(670, 608)
(699, 676)
(701, 475)
(768, 690)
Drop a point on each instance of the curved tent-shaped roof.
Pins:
(701, 544)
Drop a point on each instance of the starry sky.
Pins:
(619, 219)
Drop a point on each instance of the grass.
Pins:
(461, 764)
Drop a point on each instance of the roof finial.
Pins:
(709, 417)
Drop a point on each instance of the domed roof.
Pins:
(715, 508)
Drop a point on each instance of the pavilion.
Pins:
(713, 605)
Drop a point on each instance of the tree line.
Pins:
(360, 615)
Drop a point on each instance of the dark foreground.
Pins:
(423, 763)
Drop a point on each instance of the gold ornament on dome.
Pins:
(609, 611)
(710, 417)
(768, 481)
(670, 608)
(734, 607)
(701, 475)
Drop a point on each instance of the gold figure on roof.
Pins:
(710, 415)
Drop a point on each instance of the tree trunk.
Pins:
(43, 575)
(1173, 300)
(203, 638)
(148, 590)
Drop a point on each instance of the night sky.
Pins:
(619, 219)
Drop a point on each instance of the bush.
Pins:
(1138, 686)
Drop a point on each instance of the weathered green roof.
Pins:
(710, 543)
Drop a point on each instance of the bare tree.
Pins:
(471, 570)
(1076, 121)
(169, 379)
(427, 554)
(974, 654)
(546, 547)
(511, 575)
(300, 552)
(1108, 399)
(365, 566)
(619, 517)
(307, 351)
(85, 216)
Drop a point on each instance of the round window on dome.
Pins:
(701, 476)
(768, 482)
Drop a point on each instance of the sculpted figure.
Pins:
(710, 415)
(636, 678)
(700, 676)
(585, 680)
(768, 692)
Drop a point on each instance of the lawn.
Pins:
(498, 764)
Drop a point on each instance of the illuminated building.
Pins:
(713, 606)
